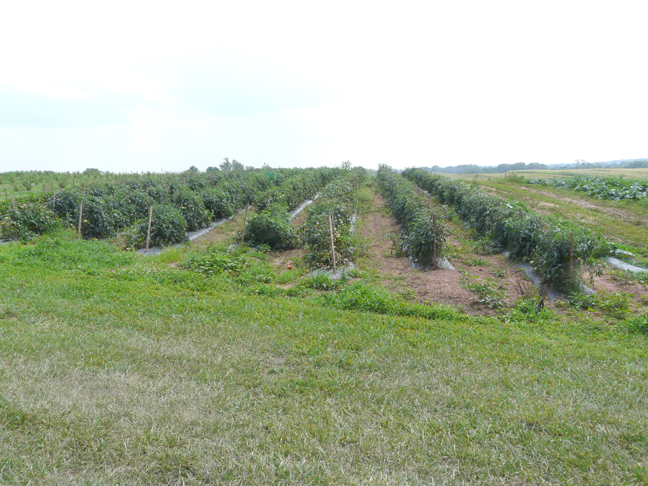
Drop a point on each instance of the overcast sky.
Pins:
(160, 86)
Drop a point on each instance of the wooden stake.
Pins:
(571, 253)
(434, 227)
(54, 202)
(520, 213)
(247, 207)
(148, 232)
(330, 218)
(80, 218)
(43, 189)
(13, 202)
(6, 197)
(72, 183)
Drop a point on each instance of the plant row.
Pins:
(339, 200)
(542, 241)
(181, 202)
(613, 188)
(414, 215)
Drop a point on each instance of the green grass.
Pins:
(115, 369)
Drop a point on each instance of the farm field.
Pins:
(624, 222)
(220, 364)
(640, 174)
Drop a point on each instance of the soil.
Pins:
(435, 286)
(608, 285)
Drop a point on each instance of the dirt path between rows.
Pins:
(439, 286)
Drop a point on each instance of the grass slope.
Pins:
(115, 370)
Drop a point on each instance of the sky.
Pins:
(138, 85)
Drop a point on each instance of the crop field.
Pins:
(640, 174)
(239, 357)
(624, 222)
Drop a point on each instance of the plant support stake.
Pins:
(332, 242)
(148, 232)
(434, 227)
(80, 217)
(53, 202)
(247, 207)
(571, 254)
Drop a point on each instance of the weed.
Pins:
(613, 305)
(500, 272)
(321, 281)
(488, 292)
(638, 324)
(476, 262)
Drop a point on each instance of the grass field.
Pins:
(116, 369)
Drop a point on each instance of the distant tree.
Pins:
(537, 166)
(265, 167)
(193, 168)
(237, 166)
(212, 169)
(345, 165)
(226, 166)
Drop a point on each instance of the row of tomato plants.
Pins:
(543, 241)
(338, 199)
(181, 203)
(612, 188)
(415, 216)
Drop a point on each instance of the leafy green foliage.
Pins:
(365, 297)
(488, 292)
(413, 212)
(121, 204)
(638, 324)
(271, 227)
(338, 200)
(193, 209)
(613, 188)
(168, 226)
(216, 261)
(544, 241)
(218, 203)
(27, 220)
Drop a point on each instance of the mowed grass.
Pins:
(117, 370)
